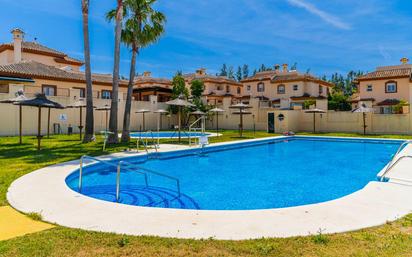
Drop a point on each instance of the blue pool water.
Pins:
(245, 176)
(166, 134)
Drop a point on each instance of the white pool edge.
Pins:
(45, 191)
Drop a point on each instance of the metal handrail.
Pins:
(153, 172)
(110, 164)
(388, 167)
(394, 164)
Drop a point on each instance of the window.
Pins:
(49, 90)
(281, 89)
(261, 87)
(219, 88)
(4, 89)
(238, 90)
(391, 87)
(106, 94)
(295, 87)
(320, 90)
(369, 88)
(248, 88)
(227, 89)
(82, 91)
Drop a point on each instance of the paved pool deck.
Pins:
(45, 191)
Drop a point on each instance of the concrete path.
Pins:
(14, 224)
(46, 192)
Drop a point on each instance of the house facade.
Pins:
(146, 86)
(284, 88)
(33, 68)
(216, 87)
(386, 89)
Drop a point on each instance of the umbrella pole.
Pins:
(48, 123)
(39, 130)
(179, 119)
(144, 123)
(107, 114)
(81, 123)
(364, 123)
(217, 124)
(314, 123)
(20, 124)
(241, 123)
(158, 129)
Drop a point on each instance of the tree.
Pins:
(113, 138)
(231, 73)
(262, 68)
(196, 89)
(245, 71)
(179, 86)
(143, 27)
(89, 131)
(223, 70)
(239, 74)
(343, 88)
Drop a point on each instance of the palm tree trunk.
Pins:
(128, 105)
(89, 131)
(113, 138)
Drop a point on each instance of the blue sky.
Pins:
(323, 36)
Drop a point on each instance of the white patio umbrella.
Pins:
(314, 111)
(216, 111)
(143, 111)
(363, 109)
(180, 102)
(241, 111)
(159, 122)
(80, 104)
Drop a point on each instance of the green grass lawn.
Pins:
(392, 239)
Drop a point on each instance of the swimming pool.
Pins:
(274, 173)
(167, 134)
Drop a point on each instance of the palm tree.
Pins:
(143, 26)
(89, 132)
(113, 138)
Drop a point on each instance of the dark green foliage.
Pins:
(223, 70)
(196, 88)
(239, 74)
(342, 90)
(231, 73)
(245, 71)
(179, 87)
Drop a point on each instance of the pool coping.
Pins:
(45, 191)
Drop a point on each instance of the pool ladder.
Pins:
(393, 163)
(202, 129)
(129, 167)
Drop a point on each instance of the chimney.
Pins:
(201, 72)
(147, 74)
(277, 67)
(285, 67)
(18, 36)
(404, 60)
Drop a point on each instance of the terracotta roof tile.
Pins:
(32, 69)
(36, 47)
(283, 77)
(211, 78)
(388, 72)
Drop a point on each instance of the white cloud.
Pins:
(329, 18)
